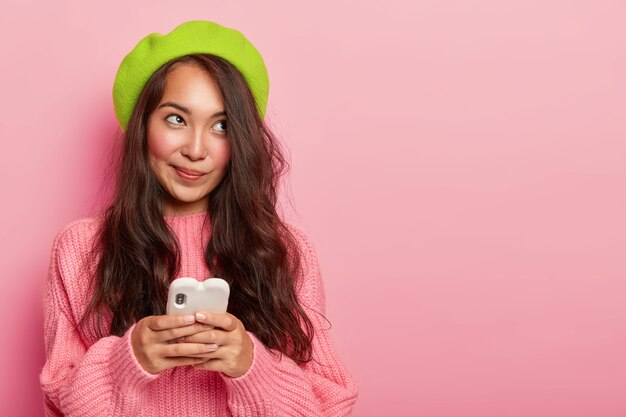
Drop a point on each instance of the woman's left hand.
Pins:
(233, 355)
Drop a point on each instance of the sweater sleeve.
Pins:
(104, 379)
(280, 387)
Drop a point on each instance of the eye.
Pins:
(223, 123)
(178, 118)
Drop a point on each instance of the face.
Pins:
(188, 147)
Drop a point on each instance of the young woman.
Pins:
(195, 197)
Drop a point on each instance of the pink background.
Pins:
(459, 166)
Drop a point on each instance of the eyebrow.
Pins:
(186, 110)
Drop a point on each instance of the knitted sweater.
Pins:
(86, 376)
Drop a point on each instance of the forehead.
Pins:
(193, 87)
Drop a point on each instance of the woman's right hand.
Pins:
(154, 341)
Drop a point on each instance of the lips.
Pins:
(190, 172)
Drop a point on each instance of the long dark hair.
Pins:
(140, 256)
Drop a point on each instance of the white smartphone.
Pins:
(188, 295)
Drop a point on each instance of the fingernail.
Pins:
(211, 346)
(200, 316)
(190, 319)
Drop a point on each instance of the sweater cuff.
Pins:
(255, 385)
(127, 372)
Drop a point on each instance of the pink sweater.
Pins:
(86, 376)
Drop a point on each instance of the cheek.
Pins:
(159, 146)
(221, 153)
(160, 142)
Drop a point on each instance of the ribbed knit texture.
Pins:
(86, 376)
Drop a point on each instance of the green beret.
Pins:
(195, 36)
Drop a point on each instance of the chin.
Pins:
(188, 197)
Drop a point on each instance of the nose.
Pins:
(196, 146)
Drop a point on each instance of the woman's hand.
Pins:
(154, 342)
(233, 356)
